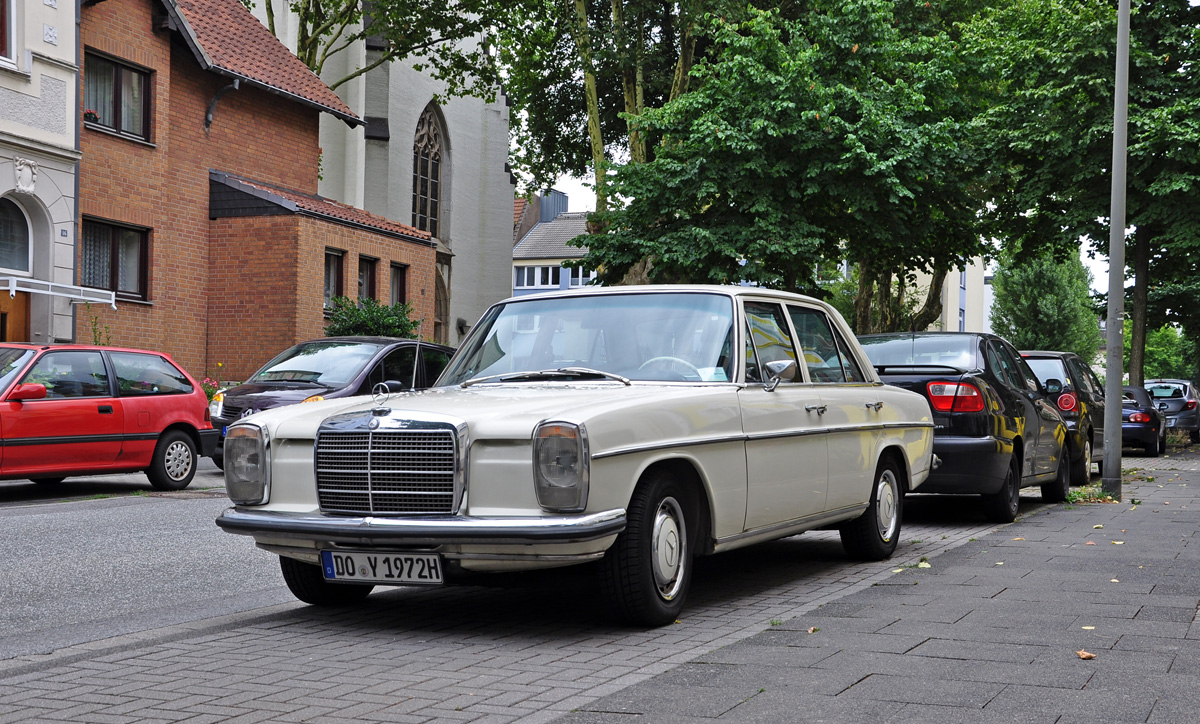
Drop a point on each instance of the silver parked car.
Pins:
(1179, 401)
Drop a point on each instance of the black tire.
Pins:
(47, 481)
(1081, 474)
(1056, 490)
(873, 535)
(219, 461)
(646, 573)
(1001, 506)
(306, 583)
(1194, 435)
(1162, 442)
(174, 462)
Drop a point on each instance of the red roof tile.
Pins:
(518, 209)
(228, 38)
(321, 206)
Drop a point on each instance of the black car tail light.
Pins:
(1139, 417)
(954, 397)
(1067, 402)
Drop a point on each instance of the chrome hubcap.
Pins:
(668, 548)
(178, 460)
(887, 494)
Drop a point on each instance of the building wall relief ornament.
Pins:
(26, 172)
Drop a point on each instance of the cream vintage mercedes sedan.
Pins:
(632, 427)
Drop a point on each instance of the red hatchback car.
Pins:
(84, 410)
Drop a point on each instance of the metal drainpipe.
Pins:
(212, 106)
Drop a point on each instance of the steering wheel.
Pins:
(670, 363)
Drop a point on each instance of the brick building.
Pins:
(197, 191)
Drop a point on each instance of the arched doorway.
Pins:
(16, 243)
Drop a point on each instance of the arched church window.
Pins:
(14, 238)
(428, 160)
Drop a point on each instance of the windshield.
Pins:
(12, 361)
(1160, 390)
(1049, 368)
(651, 336)
(330, 364)
(940, 350)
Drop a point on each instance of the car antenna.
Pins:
(417, 355)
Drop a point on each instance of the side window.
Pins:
(1002, 367)
(433, 361)
(821, 354)
(398, 366)
(145, 374)
(1095, 382)
(1022, 371)
(71, 374)
(767, 339)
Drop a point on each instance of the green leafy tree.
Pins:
(368, 317)
(1168, 353)
(443, 38)
(802, 141)
(1041, 303)
(1049, 133)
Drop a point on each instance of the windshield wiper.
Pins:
(560, 372)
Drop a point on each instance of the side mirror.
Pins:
(783, 370)
(28, 391)
(1053, 386)
(397, 386)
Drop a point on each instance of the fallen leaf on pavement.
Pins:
(813, 629)
(1085, 655)
(1089, 628)
(1114, 581)
(1118, 542)
(1090, 543)
(1018, 539)
(1000, 563)
(923, 564)
(1097, 527)
(897, 570)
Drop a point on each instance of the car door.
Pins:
(852, 406)
(1016, 415)
(1090, 386)
(153, 393)
(78, 426)
(786, 449)
(398, 365)
(1043, 444)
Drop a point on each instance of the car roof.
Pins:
(80, 347)
(367, 339)
(1047, 353)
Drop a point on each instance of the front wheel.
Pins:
(1057, 490)
(873, 535)
(646, 573)
(306, 583)
(219, 461)
(174, 462)
(1001, 506)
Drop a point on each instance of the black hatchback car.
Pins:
(1143, 423)
(1182, 404)
(328, 368)
(996, 427)
(1081, 404)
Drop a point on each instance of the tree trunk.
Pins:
(862, 300)
(1141, 292)
(583, 44)
(932, 308)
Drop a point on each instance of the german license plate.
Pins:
(420, 569)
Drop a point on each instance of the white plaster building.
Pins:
(468, 190)
(39, 138)
(966, 300)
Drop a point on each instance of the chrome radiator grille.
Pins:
(387, 471)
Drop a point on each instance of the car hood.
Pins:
(265, 395)
(615, 415)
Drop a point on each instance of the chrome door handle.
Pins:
(876, 406)
(819, 409)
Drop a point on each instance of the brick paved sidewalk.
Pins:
(988, 633)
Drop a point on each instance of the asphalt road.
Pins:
(93, 558)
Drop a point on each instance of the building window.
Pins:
(962, 320)
(333, 275)
(962, 279)
(581, 277)
(427, 173)
(399, 284)
(366, 277)
(15, 243)
(116, 96)
(114, 258)
(7, 21)
(528, 277)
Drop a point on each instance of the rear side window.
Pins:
(433, 361)
(70, 374)
(397, 366)
(147, 374)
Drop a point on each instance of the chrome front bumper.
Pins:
(423, 531)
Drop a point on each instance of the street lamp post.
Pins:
(1115, 328)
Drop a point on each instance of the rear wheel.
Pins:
(647, 571)
(1001, 506)
(873, 535)
(1056, 491)
(1194, 435)
(306, 583)
(1081, 474)
(174, 462)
